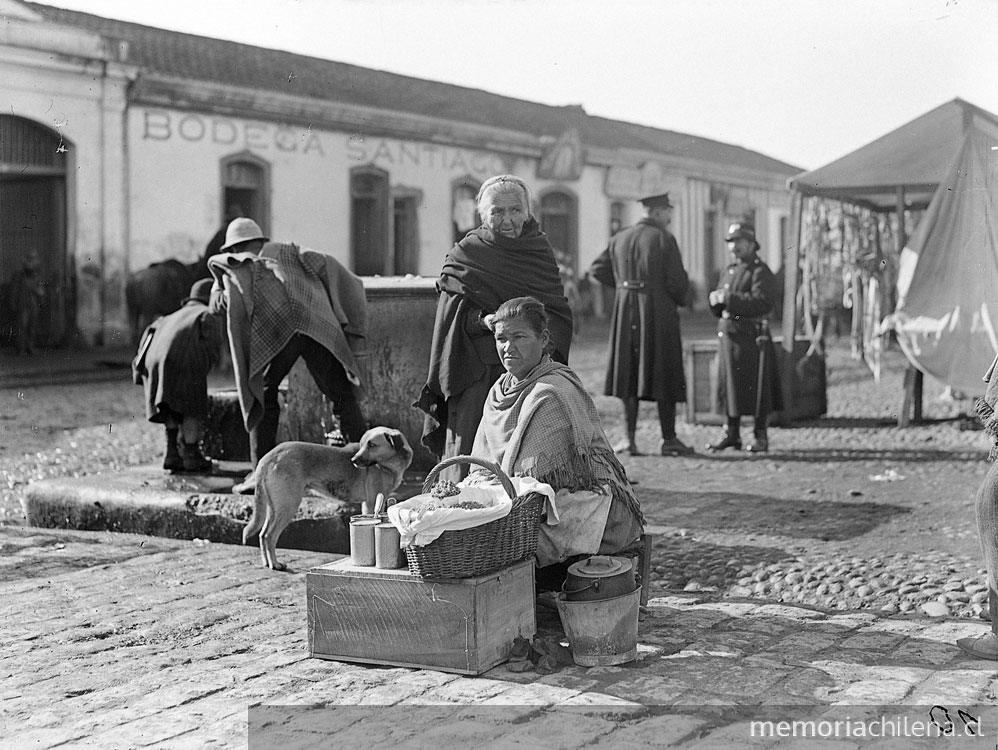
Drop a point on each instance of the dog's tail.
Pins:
(259, 513)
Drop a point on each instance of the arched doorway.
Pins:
(33, 219)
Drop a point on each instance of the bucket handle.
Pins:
(594, 584)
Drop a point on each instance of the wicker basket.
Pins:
(467, 553)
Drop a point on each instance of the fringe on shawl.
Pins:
(990, 421)
(581, 471)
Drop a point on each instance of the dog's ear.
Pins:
(395, 440)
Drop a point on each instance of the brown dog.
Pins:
(354, 473)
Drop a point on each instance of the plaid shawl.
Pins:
(546, 426)
(282, 291)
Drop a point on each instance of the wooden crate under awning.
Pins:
(705, 401)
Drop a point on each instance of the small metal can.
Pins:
(362, 540)
(387, 550)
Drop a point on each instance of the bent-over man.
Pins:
(283, 303)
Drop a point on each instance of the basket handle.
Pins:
(490, 465)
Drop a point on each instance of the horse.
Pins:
(158, 289)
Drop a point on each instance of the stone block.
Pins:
(147, 500)
(393, 361)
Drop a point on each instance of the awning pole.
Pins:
(791, 271)
(902, 238)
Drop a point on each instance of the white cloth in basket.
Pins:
(420, 526)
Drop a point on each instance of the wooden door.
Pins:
(369, 221)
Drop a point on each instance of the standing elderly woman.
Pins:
(507, 256)
(540, 422)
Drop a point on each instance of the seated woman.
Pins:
(540, 422)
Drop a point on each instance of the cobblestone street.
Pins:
(845, 511)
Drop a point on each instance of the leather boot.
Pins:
(172, 460)
(194, 461)
(728, 441)
(628, 445)
(760, 444)
(732, 437)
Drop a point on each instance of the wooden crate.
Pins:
(390, 617)
(705, 401)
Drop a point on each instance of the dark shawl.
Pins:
(479, 273)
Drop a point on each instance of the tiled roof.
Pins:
(199, 58)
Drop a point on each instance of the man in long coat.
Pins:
(745, 295)
(643, 263)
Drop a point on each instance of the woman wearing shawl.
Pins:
(986, 646)
(540, 422)
(507, 256)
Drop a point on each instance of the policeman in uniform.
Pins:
(644, 266)
(745, 295)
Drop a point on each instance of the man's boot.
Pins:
(671, 445)
(732, 437)
(172, 460)
(627, 445)
(631, 420)
(760, 444)
(194, 461)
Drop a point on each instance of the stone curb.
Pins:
(146, 500)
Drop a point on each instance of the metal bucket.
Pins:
(603, 632)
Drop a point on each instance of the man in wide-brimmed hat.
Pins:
(644, 265)
(176, 352)
(283, 303)
(744, 298)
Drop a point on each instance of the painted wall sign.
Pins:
(390, 153)
(632, 183)
(158, 125)
(161, 125)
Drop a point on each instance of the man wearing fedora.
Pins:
(176, 352)
(745, 296)
(283, 303)
(644, 265)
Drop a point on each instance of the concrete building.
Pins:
(122, 145)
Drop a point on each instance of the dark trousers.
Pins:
(666, 417)
(329, 376)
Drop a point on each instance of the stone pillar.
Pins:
(401, 311)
